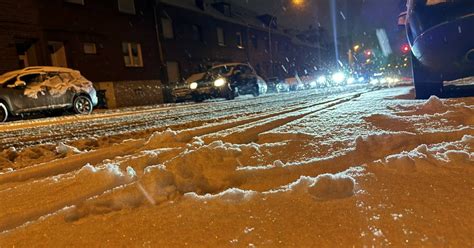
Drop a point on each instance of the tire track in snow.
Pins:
(126, 148)
(30, 133)
(266, 122)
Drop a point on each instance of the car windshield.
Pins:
(222, 70)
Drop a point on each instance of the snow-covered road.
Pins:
(359, 166)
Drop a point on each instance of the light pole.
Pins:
(297, 3)
(270, 47)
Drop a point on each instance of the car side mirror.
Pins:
(18, 83)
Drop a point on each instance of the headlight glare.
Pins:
(220, 82)
(193, 86)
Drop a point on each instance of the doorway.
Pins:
(57, 52)
(173, 71)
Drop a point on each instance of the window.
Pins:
(254, 40)
(167, 26)
(197, 33)
(240, 42)
(132, 54)
(127, 6)
(32, 78)
(90, 48)
(81, 2)
(220, 37)
(173, 71)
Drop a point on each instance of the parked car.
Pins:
(45, 89)
(227, 81)
(440, 35)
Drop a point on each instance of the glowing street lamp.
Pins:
(298, 3)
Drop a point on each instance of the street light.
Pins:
(298, 3)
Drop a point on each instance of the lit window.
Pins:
(132, 54)
(90, 48)
(240, 42)
(81, 2)
(127, 6)
(167, 26)
(220, 37)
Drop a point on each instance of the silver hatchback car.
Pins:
(45, 89)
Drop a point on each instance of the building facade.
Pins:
(134, 49)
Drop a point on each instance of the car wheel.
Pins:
(230, 94)
(3, 112)
(82, 105)
(425, 84)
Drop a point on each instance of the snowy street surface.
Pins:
(306, 169)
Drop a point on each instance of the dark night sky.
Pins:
(372, 14)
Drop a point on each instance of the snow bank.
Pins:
(65, 150)
(59, 84)
(380, 144)
(323, 187)
(208, 169)
(431, 158)
(163, 139)
(433, 105)
(7, 157)
(232, 195)
(329, 186)
(200, 171)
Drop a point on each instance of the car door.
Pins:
(33, 95)
(59, 89)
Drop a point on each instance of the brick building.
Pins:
(197, 34)
(132, 49)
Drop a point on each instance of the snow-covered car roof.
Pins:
(33, 69)
(229, 64)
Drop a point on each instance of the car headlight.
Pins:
(321, 80)
(220, 82)
(350, 80)
(338, 77)
(193, 86)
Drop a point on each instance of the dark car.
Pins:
(227, 81)
(440, 33)
(181, 91)
(45, 89)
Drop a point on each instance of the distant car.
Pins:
(282, 86)
(227, 81)
(45, 89)
(182, 91)
(440, 33)
(294, 84)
